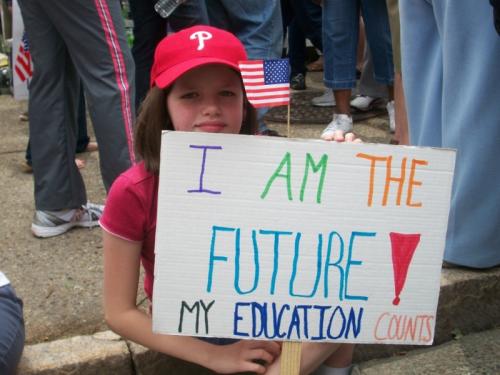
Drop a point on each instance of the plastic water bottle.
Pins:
(166, 7)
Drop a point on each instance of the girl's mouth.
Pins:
(210, 127)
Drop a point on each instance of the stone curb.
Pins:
(468, 303)
(101, 353)
(477, 353)
(107, 353)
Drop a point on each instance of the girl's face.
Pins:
(207, 99)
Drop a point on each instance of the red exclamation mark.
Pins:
(403, 248)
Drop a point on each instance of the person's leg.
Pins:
(378, 36)
(12, 330)
(340, 41)
(297, 56)
(368, 86)
(259, 27)
(190, 13)
(52, 107)
(306, 25)
(27, 154)
(309, 20)
(369, 90)
(471, 125)
(287, 15)
(83, 139)
(105, 65)
(421, 52)
(340, 361)
(360, 54)
(149, 29)
(218, 15)
(342, 100)
(400, 116)
(379, 41)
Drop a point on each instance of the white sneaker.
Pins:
(325, 100)
(363, 103)
(339, 122)
(392, 119)
(54, 223)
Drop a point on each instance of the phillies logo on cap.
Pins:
(206, 45)
(201, 36)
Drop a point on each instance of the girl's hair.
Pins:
(153, 118)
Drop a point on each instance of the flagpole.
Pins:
(291, 350)
(288, 121)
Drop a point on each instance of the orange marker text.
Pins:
(404, 181)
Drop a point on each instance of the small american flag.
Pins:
(22, 66)
(266, 82)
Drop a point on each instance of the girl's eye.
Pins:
(227, 93)
(189, 95)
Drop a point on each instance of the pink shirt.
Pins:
(130, 213)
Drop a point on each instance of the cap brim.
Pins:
(167, 77)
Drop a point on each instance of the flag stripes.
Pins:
(22, 65)
(266, 82)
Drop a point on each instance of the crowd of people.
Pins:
(436, 61)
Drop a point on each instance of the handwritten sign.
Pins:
(280, 239)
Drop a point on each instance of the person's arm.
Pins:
(121, 277)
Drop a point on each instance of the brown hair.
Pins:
(153, 118)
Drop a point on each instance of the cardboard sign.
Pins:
(279, 239)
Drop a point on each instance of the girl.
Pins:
(196, 86)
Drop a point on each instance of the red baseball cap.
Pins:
(192, 47)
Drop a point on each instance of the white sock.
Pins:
(326, 370)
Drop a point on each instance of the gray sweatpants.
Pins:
(68, 40)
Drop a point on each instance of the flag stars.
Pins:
(276, 71)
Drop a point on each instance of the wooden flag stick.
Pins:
(288, 122)
(290, 351)
(290, 358)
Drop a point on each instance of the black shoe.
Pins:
(298, 82)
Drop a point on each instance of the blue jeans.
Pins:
(256, 23)
(451, 84)
(340, 41)
(11, 330)
(150, 29)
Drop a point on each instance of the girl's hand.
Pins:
(340, 136)
(244, 355)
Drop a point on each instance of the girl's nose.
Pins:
(211, 107)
